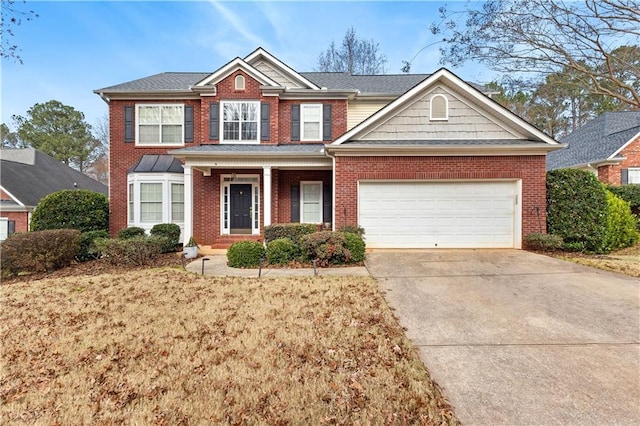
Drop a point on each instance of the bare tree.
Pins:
(10, 17)
(547, 36)
(355, 56)
(98, 166)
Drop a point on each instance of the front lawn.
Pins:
(625, 261)
(162, 346)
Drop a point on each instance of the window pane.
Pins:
(171, 134)
(311, 131)
(149, 134)
(231, 111)
(177, 202)
(311, 209)
(311, 122)
(231, 131)
(151, 202)
(634, 175)
(249, 131)
(4, 228)
(131, 217)
(172, 115)
(149, 115)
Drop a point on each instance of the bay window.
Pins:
(155, 198)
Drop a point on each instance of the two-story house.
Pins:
(416, 160)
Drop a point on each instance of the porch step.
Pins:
(226, 241)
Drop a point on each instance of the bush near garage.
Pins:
(72, 209)
(39, 251)
(245, 254)
(293, 231)
(282, 251)
(327, 247)
(630, 194)
(543, 242)
(577, 209)
(356, 245)
(131, 232)
(621, 230)
(171, 232)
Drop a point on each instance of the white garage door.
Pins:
(439, 214)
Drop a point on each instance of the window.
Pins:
(151, 202)
(311, 122)
(311, 202)
(439, 108)
(160, 124)
(7, 227)
(634, 175)
(131, 202)
(240, 121)
(177, 202)
(239, 82)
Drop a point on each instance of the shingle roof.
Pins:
(596, 140)
(387, 84)
(29, 175)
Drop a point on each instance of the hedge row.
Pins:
(324, 247)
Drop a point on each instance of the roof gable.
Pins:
(503, 123)
(278, 70)
(237, 64)
(598, 140)
(29, 181)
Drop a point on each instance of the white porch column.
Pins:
(188, 204)
(266, 194)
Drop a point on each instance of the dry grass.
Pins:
(162, 346)
(625, 261)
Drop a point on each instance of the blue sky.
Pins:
(75, 47)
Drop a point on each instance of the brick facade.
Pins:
(611, 174)
(531, 169)
(21, 219)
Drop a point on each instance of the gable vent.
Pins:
(439, 108)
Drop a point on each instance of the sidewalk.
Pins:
(216, 264)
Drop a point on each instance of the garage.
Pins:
(437, 214)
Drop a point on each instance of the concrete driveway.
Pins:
(517, 338)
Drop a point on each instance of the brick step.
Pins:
(226, 241)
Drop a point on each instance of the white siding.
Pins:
(466, 121)
(358, 111)
(275, 75)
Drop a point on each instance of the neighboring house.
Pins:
(417, 160)
(26, 176)
(608, 146)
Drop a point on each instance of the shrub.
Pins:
(40, 250)
(621, 228)
(131, 232)
(134, 251)
(354, 229)
(630, 194)
(577, 209)
(543, 242)
(326, 247)
(293, 231)
(245, 254)
(356, 246)
(88, 250)
(171, 232)
(72, 209)
(282, 251)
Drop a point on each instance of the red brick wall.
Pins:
(4, 196)
(531, 169)
(338, 119)
(21, 219)
(612, 174)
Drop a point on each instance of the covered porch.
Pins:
(231, 192)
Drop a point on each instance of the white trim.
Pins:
(320, 200)
(188, 202)
(284, 68)
(302, 121)
(266, 194)
(221, 124)
(401, 102)
(446, 108)
(230, 68)
(239, 79)
(630, 141)
(225, 207)
(165, 179)
(137, 125)
(12, 196)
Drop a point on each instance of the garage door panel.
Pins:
(438, 214)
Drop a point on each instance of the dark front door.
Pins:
(241, 208)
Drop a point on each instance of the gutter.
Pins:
(440, 150)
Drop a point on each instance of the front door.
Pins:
(240, 208)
